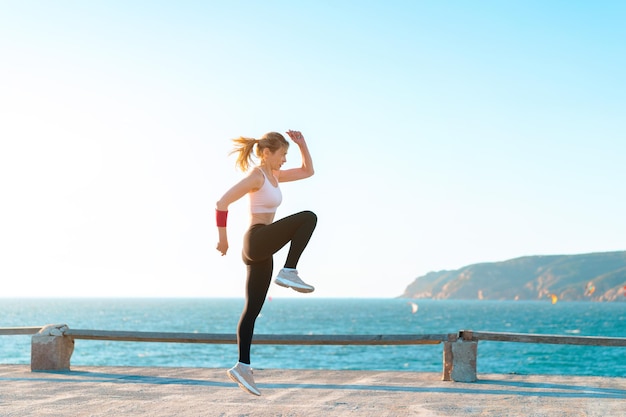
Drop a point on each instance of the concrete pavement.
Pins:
(186, 392)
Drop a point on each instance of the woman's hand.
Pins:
(222, 246)
(296, 136)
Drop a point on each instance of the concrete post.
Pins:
(50, 349)
(464, 361)
(459, 358)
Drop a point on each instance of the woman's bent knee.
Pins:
(309, 215)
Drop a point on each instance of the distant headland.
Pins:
(586, 277)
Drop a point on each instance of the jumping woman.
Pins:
(265, 236)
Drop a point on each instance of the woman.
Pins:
(265, 236)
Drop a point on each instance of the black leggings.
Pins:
(261, 242)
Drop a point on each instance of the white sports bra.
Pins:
(266, 199)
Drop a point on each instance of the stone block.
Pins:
(51, 350)
(464, 361)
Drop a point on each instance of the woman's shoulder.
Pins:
(256, 177)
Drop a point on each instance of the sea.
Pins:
(313, 316)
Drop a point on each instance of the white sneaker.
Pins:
(290, 279)
(242, 375)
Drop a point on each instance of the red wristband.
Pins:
(221, 217)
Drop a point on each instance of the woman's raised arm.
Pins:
(306, 169)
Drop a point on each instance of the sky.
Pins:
(443, 134)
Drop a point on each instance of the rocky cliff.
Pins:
(593, 277)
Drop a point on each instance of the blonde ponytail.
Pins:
(244, 146)
(243, 149)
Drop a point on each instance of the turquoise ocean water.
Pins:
(329, 316)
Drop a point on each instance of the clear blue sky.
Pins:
(443, 133)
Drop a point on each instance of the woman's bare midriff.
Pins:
(261, 218)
